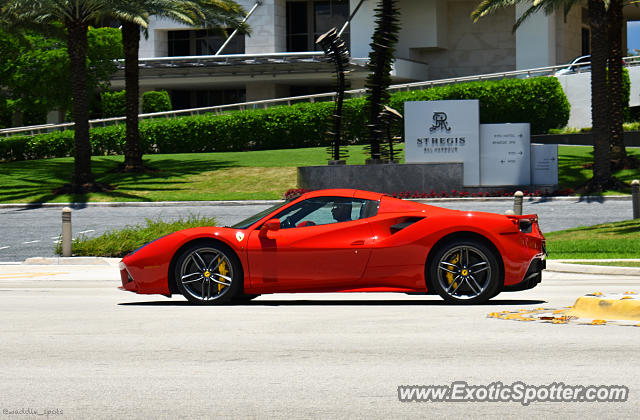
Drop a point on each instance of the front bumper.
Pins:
(127, 281)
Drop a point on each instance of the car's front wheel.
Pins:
(465, 272)
(208, 274)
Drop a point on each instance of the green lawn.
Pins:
(213, 176)
(571, 171)
(607, 241)
(180, 177)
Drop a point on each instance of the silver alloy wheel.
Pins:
(206, 274)
(464, 272)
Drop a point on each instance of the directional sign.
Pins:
(544, 164)
(504, 154)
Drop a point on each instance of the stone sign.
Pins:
(444, 131)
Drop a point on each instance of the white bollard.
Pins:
(517, 202)
(66, 232)
(635, 197)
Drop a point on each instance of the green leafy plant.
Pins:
(120, 242)
(113, 104)
(156, 101)
(539, 101)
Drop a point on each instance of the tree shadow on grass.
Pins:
(35, 182)
(569, 170)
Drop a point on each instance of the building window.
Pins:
(203, 42)
(307, 20)
(187, 99)
(179, 43)
(209, 42)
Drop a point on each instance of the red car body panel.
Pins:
(354, 256)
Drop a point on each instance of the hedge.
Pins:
(113, 104)
(156, 102)
(539, 101)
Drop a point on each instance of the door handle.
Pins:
(358, 242)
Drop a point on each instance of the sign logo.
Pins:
(440, 122)
(239, 236)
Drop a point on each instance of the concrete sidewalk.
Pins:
(104, 269)
(62, 269)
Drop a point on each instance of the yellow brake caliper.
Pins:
(222, 269)
(449, 276)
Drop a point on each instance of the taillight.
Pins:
(525, 226)
(524, 223)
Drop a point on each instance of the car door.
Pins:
(312, 251)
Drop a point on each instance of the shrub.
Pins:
(120, 242)
(113, 104)
(539, 101)
(156, 102)
(626, 94)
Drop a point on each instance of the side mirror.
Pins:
(271, 224)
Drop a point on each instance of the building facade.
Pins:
(438, 39)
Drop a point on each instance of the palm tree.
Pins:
(600, 94)
(615, 23)
(202, 13)
(75, 17)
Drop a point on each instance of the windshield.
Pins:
(251, 220)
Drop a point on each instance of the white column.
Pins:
(535, 39)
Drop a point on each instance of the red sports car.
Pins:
(344, 241)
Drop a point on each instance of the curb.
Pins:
(617, 307)
(72, 261)
(577, 199)
(565, 267)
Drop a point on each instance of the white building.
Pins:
(437, 40)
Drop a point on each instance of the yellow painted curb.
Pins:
(606, 307)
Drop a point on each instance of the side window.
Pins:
(326, 210)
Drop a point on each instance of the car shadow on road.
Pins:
(375, 302)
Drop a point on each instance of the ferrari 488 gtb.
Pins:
(344, 241)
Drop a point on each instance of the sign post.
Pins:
(504, 154)
(544, 164)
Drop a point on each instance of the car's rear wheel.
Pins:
(208, 274)
(465, 272)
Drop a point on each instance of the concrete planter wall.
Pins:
(384, 178)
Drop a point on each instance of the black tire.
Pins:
(209, 274)
(465, 271)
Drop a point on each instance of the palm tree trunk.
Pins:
(619, 157)
(131, 44)
(616, 111)
(82, 180)
(599, 100)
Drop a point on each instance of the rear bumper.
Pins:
(532, 277)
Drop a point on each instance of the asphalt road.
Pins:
(89, 351)
(32, 232)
